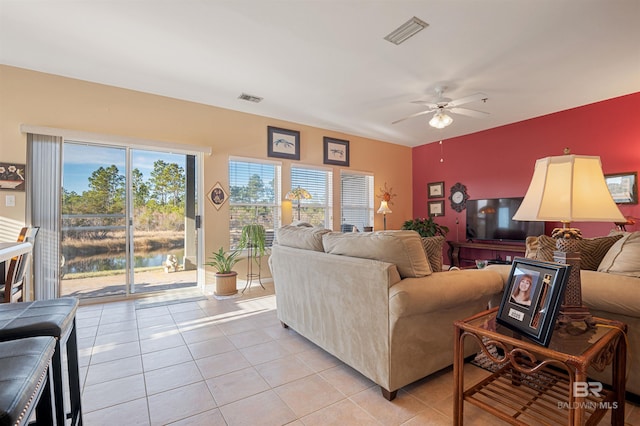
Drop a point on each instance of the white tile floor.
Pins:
(229, 362)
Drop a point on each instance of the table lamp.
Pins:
(569, 188)
(384, 209)
(297, 194)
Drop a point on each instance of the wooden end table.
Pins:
(540, 385)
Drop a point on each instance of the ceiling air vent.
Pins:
(406, 30)
(250, 98)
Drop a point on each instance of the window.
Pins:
(319, 184)
(356, 200)
(254, 197)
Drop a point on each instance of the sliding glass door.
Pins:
(163, 230)
(128, 220)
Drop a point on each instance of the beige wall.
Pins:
(33, 98)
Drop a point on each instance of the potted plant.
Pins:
(225, 278)
(253, 236)
(426, 227)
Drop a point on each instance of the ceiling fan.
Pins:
(443, 105)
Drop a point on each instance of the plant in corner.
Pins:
(426, 227)
(225, 277)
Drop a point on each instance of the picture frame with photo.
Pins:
(336, 151)
(435, 190)
(532, 298)
(283, 143)
(436, 208)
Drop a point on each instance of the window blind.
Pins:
(319, 183)
(356, 195)
(254, 197)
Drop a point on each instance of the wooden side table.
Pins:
(538, 385)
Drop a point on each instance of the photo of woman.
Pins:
(522, 290)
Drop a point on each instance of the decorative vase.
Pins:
(226, 284)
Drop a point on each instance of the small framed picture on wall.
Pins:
(435, 190)
(283, 143)
(436, 208)
(336, 152)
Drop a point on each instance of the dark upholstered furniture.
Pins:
(25, 380)
(55, 318)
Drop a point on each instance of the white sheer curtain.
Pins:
(44, 201)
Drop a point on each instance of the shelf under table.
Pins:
(537, 398)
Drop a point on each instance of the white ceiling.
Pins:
(325, 63)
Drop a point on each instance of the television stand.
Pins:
(470, 247)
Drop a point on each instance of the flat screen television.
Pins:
(491, 219)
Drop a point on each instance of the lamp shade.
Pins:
(440, 120)
(298, 194)
(568, 188)
(384, 208)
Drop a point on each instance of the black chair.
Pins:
(55, 318)
(26, 381)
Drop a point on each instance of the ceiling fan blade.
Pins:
(417, 114)
(428, 104)
(469, 112)
(467, 99)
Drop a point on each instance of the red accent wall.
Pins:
(499, 162)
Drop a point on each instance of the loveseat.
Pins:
(377, 301)
(610, 277)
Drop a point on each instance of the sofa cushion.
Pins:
(402, 248)
(592, 250)
(301, 237)
(623, 257)
(433, 249)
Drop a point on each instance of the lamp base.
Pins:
(573, 314)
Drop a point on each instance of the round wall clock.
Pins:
(458, 197)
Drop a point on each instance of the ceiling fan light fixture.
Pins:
(440, 120)
(406, 30)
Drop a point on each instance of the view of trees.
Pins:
(158, 202)
(245, 207)
(255, 203)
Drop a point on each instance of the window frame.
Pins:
(275, 207)
(327, 206)
(370, 209)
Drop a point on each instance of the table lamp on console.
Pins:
(569, 188)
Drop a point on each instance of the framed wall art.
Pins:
(435, 190)
(436, 208)
(623, 187)
(532, 298)
(283, 143)
(12, 176)
(217, 195)
(336, 152)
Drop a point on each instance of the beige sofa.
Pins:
(373, 301)
(611, 291)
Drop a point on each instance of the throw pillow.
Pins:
(402, 248)
(592, 250)
(433, 249)
(546, 247)
(301, 237)
(531, 248)
(623, 257)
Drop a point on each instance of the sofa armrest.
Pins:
(619, 294)
(442, 290)
(503, 270)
